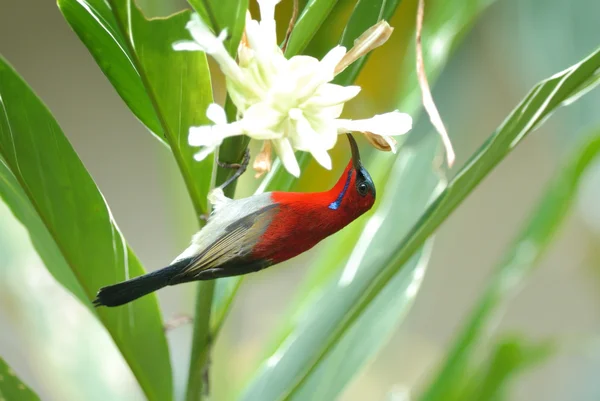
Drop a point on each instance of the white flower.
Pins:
(289, 102)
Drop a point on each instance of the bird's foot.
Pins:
(239, 167)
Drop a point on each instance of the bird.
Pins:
(247, 235)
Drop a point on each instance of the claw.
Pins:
(240, 168)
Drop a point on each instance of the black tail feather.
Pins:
(130, 290)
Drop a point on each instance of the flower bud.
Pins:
(372, 38)
(379, 142)
(262, 162)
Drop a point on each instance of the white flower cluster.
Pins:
(289, 103)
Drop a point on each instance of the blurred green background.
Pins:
(65, 354)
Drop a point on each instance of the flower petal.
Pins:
(216, 114)
(203, 152)
(391, 142)
(331, 60)
(267, 9)
(326, 129)
(323, 74)
(284, 150)
(384, 143)
(322, 157)
(213, 135)
(202, 136)
(213, 45)
(187, 45)
(267, 20)
(202, 35)
(393, 123)
(332, 95)
(307, 139)
(261, 121)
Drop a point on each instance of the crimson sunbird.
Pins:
(250, 234)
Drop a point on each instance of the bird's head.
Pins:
(355, 189)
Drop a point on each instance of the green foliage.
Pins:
(12, 388)
(50, 190)
(169, 91)
(96, 26)
(310, 325)
(366, 14)
(519, 261)
(315, 12)
(352, 300)
(311, 347)
(490, 380)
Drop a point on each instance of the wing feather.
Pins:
(236, 243)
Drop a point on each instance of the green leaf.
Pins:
(312, 16)
(519, 261)
(535, 108)
(38, 157)
(311, 324)
(366, 14)
(175, 84)
(94, 23)
(224, 14)
(509, 357)
(12, 388)
(16, 199)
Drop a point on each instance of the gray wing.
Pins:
(230, 254)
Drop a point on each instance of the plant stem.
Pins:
(201, 344)
(232, 150)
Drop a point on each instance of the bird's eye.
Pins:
(362, 188)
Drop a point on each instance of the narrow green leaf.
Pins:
(412, 174)
(224, 14)
(312, 16)
(95, 24)
(536, 107)
(16, 199)
(175, 84)
(330, 262)
(509, 357)
(77, 219)
(519, 261)
(12, 388)
(366, 14)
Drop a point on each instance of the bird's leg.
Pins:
(240, 168)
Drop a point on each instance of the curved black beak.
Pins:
(355, 154)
